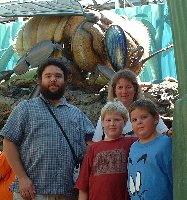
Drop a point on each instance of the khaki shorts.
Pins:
(16, 196)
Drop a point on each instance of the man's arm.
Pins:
(26, 188)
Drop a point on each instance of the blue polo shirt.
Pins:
(44, 151)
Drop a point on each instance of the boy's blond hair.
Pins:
(114, 106)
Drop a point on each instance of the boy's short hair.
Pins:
(114, 106)
(146, 104)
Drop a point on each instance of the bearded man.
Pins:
(35, 146)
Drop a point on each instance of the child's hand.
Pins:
(169, 133)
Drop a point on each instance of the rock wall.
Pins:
(164, 94)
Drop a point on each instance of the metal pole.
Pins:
(20, 19)
(117, 4)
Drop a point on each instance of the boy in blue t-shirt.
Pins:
(150, 158)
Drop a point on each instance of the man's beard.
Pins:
(47, 94)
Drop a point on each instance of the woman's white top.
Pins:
(161, 128)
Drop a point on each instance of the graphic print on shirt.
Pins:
(109, 162)
(135, 183)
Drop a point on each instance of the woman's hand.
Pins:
(169, 133)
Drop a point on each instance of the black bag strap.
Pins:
(103, 134)
(66, 137)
